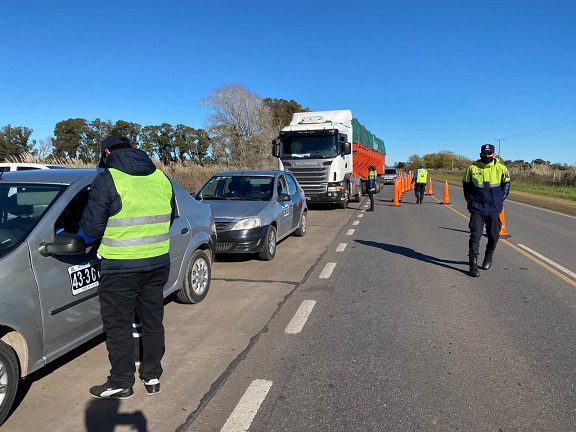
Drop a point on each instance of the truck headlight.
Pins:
(334, 188)
(248, 223)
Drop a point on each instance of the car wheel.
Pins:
(197, 279)
(269, 250)
(9, 377)
(301, 230)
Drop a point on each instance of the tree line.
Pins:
(239, 131)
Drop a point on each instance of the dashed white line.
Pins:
(350, 231)
(549, 261)
(244, 413)
(300, 317)
(327, 271)
(356, 222)
(361, 215)
(341, 247)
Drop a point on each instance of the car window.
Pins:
(25, 168)
(291, 184)
(282, 187)
(238, 187)
(4, 168)
(21, 207)
(69, 219)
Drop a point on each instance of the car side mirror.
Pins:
(283, 197)
(63, 244)
(345, 148)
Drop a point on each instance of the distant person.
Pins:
(135, 251)
(486, 185)
(420, 178)
(371, 186)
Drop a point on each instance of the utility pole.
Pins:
(498, 139)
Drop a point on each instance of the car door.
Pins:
(180, 234)
(284, 208)
(297, 205)
(67, 285)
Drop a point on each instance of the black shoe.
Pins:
(487, 263)
(152, 386)
(370, 210)
(474, 272)
(109, 391)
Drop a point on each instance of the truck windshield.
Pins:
(309, 146)
(21, 207)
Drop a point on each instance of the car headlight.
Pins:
(248, 223)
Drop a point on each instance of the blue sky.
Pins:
(422, 75)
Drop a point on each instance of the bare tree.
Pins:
(240, 126)
(44, 148)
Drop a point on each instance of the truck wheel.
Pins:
(197, 279)
(9, 377)
(344, 204)
(358, 196)
(269, 250)
(301, 230)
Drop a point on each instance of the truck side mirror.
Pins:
(345, 148)
(276, 148)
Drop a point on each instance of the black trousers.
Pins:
(121, 295)
(476, 225)
(371, 197)
(419, 191)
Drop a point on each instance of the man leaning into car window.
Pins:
(135, 264)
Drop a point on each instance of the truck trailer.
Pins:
(329, 153)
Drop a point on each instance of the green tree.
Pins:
(69, 137)
(96, 131)
(159, 141)
(282, 110)
(14, 141)
(203, 145)
(128, 130)
(184, 142)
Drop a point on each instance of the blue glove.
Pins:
(87, 239)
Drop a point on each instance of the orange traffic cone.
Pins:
(401, 185)
(429, 193)
(446, 199)
(396, 194)
(503, 231)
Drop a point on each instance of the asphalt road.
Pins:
(386, 333)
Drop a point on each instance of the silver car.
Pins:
(390, 175)
(48, 278)
(254, 210)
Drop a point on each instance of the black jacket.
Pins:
(104, 202)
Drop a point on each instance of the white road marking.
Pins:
(341, 247)
(350, 231)
(361, 215)
(247, 408)
(549, 261)
(300, 317)
(327, 271)
(356, 222)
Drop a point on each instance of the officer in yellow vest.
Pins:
(371, 186)
(420, 178)
(130, 208)
(486, 185)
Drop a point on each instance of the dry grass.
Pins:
(190, 176)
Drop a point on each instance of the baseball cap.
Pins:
(109, 142)
(487, 149)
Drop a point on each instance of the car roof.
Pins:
(250, 172)
(48, 176)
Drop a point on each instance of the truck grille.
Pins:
(312, 179)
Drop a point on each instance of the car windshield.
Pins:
(390, 171)
(21, 207)
(238, 187)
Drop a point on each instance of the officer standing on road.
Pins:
(131, 207)
(486, 185)
(420, 178)
(371, 186)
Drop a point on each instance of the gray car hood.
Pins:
(235, 209)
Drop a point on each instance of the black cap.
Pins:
(109, 142)
(372, 168)
(487, 149)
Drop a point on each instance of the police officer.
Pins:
(420, 178)
(135, 246)
(371, 186)
(486, 185)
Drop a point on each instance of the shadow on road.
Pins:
(454, 229)
(103, 416)
(411, 253)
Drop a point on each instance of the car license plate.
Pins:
(84, 276)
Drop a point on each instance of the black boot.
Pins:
(487, 263)
(474, 272)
